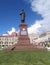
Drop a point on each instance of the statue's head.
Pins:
(22, 9)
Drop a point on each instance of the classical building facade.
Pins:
(44, 39)
(8, 40)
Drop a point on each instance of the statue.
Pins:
(22, 14)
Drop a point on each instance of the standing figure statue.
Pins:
(22, 14)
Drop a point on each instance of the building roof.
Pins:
(8, 35)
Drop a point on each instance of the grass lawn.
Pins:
(25, 58)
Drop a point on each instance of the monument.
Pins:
(23, 39)
(23, 34)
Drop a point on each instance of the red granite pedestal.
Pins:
(23, 40)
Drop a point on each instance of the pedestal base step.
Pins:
(24, 48)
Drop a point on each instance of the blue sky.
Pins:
(37, 15)
(9, 14)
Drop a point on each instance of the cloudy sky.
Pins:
(37, 15)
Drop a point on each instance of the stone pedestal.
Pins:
(23, 35)
(23, 40)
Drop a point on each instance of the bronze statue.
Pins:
(22, 14)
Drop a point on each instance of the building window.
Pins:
(12, 42)
(6, 45)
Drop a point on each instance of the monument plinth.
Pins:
(23, 35)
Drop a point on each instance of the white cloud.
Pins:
(34, 28)
(12, 30)
(5, 34)
(42, 7)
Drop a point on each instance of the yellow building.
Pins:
(8, 40)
